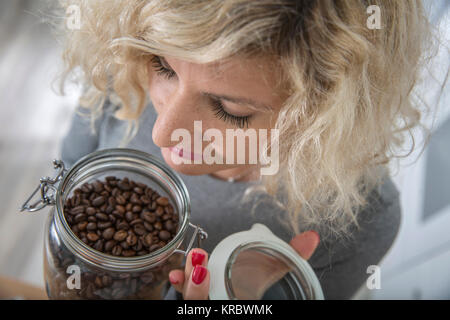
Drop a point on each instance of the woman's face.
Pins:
(232, 94)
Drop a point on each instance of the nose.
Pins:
(176, 113)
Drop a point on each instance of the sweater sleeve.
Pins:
(343, 269)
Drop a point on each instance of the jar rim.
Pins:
(300, 270)
(117, 263)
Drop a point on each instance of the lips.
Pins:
(184, 154)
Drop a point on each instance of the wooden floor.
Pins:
(33, 119)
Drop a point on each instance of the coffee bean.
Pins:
(90, 211)
(144, 199)
(138, 246)
(136, 221)
(163, 201)
(168, 209)
(148, 239)
(131, 239)
(139, 229)
(92, 236)
(116, 250)
(108, 233)
(129, 216)
(109, 245)
(117, 214)
(82, 225)
(164, 235)
(91, 226)
(115, 192)
(134, 199)
(137, 209)
(104, 225)
(169, 225)
(112, 218)
(101, 216)
(112, 201)
(120, 235)
(158, 225)
(123, 185)
(99, 245)
(159, 211)
(123, 225)
(124, 245)
(128, 253)
(120, 209)
(109, 209)
(98, 186)
(80, 217)
(77, 210)
(97, 202)
(121, 200)
(148, 216)
(148, 226)
(85, 188)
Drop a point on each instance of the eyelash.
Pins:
(217, 105)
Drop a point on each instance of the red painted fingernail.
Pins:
(172, 281)
(199, 274)
(197, 258)
(315, 233)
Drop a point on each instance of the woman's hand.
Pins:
(193, 282)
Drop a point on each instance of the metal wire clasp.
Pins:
(46, 183)
(198, 233)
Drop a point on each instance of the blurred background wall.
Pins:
(33, 120)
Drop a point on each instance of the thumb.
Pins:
(197, 287)
(305, 243)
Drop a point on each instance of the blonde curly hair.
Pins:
(350, 86)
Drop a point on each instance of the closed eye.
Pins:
(160, 69)
(218, 107)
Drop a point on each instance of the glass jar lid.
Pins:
(257, 265)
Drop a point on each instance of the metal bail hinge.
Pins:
(46, 183)
(198, 233)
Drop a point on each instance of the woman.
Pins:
(336, 89)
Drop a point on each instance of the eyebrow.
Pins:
(237, 100)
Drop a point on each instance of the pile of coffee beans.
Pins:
(150, 284)
(121, 217)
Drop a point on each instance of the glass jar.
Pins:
(75, 270)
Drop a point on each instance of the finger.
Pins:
(195, 256)
(305, 243)
(197, 287)
(176, 278)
